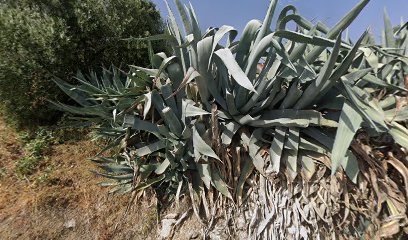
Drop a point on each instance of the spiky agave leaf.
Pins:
(388, 62)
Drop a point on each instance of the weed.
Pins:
(3, 172)
(150, 221)
(37, 143)
(66, 134)
(27, 165)
(44, 178)
(25, 136)
(35, 150)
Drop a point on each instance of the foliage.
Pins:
(388, 64)
(3, 172)
(96, 29)
(44, 177)
(27, 165)
(42, 39)
(29, 44)
(34, 152)
(212, 120)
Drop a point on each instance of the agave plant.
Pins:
(388, 64)
(272, 143)
(100, 97)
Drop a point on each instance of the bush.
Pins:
(42, 39)
(29, 46)
(35, 150)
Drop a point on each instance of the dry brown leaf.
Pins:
(400, 167)
(389, 229)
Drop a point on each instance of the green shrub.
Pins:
(35, 150)
(29, 46)
(3, 172)
(27, 165)
(42, 39)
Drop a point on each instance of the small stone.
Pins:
(167, 226)
(70, 224)
(171, 216)
(194, 235)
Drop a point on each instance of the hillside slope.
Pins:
(65, 202)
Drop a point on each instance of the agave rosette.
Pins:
(284, 107)
(215, 119)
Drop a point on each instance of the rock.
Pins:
(171, 216)
(70, 224)
(194, 235)
(167, 226)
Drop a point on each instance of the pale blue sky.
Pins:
(237, 13)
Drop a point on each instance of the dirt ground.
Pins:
(68, 204)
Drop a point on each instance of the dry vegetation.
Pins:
(65, 202)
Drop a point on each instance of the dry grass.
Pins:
(67, 203)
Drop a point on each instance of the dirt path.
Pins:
(67, 204)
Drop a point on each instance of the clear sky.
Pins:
(237, 13)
